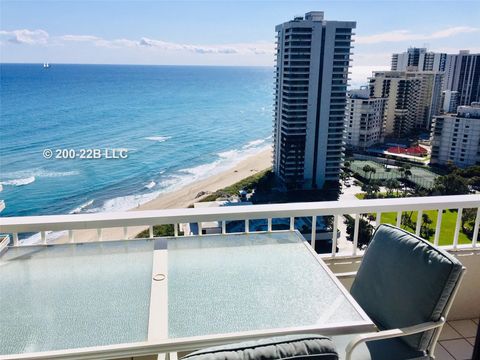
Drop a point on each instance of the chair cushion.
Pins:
(285, 347)
(403, 280)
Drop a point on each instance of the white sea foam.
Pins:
(150, 185)
(158, 138)
(19, 182)
(254, 143)
(124, 203)
(79, 209)
(37, 172)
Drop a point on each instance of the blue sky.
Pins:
(221, 32)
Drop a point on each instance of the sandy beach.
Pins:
(185, 196)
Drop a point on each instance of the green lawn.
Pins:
(382, 195)
(449, 219)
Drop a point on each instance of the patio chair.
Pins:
(292, 347)
(406, 286)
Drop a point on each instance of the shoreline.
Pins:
(183, 197)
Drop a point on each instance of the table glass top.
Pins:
(72, 296)
(249, 282)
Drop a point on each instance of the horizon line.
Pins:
(126, 64)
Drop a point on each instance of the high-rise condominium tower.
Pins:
(413, 98)
(419, 59)
(455, 137)
(364, 118)
(462, 74)
(312, 62)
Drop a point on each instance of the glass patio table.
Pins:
(119, 297)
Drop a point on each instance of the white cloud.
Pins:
(199, 49)
(406, 35)
(42, 37)
(80, 38)
(25, 36)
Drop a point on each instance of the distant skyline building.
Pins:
(413, 98)
(418, 59)
(449, 101)
(462, 74)
(455, 138)
(364, 118)
(312, 61)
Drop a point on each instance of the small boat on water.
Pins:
(46, 65)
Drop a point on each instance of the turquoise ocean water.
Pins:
(178, 123)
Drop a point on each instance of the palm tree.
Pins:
(367, 169)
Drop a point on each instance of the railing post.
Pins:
(175, 230)
(247, 226)
(476, 228)
(200, 229)
(438, 227)
(334, 235)
(292, 223)
(125, 232)
(419, 222)
(314, 231)
(150, 231)
(44, 237)
(224, 227)
(457, 228)
(378, 218)
(70, 236)
(99, 234)
(355, 235)
(15, 239)
(269, 224)
(399, 219)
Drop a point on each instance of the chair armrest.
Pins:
(387, 334)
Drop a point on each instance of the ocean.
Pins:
(178, 124)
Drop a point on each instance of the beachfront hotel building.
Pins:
(413, 98)
(364, 118)
(312, 61)
(455, 138)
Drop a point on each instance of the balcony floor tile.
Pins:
(442, 354)
(449, 333)
(460, 349)
(466, 328)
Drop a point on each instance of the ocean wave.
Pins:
(227, 160)
(124, 203)
(38, 172)
(150, 185)
(19, 182)
(254, 143)
(158, 138)
(79, 209)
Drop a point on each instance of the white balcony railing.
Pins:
(147, 219)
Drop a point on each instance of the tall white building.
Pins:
(418, 59)
(449, 101)
(312, 62)
(364, 118)
(413, 98)
(455, 138)
(462, 74)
